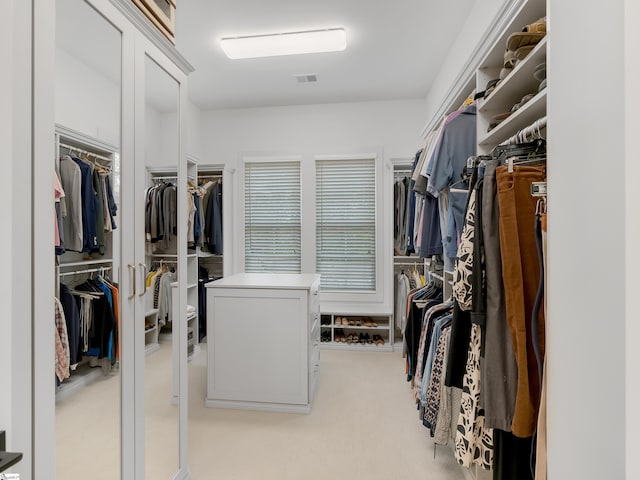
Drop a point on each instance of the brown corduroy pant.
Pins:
(521, 274)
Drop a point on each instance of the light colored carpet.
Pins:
(363, 425)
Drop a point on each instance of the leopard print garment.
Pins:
(474, 442)
(433, 394)
(463, 275)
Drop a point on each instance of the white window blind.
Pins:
(272, 217)
(346, 224)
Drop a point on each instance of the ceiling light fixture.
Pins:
(292, 43)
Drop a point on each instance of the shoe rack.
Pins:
(356, 332)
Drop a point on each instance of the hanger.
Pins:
(514, 160)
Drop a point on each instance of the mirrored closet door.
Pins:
(120, 277)
(88, 314)
(161, 237)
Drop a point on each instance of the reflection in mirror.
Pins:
(161, 368)
(88, 55)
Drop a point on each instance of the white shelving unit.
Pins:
(151, 334)
(191, 277)
(384, 329)
(512, 88)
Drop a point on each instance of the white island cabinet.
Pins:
(263, 338)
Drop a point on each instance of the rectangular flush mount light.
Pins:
(293, 43)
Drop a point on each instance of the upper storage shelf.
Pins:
(517, 84)
(522, 81)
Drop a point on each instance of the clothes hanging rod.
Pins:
(169, 177)
(88, 270)
(533, 131)
(71, 148)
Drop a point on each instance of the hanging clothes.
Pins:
(457, 142)
(213, 221)
(63, 354)
(71, 179)
(87, 206)
(161, 214)
(58, 195)
(72, 320)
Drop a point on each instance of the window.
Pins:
(346, 225)
(272, 217)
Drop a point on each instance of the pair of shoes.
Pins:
(364, 339)
(338, 335)
(325, 337)
(368, 322)
(353, 322)
(352, 338)
(520, 44)
(522, 101)
(378, 340)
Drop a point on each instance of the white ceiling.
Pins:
(394, 50)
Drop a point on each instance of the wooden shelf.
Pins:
(354, 327)
(519, 83)
(387, 347)
(524, 116)
(202, 254)
(196, 351)
(85, 262)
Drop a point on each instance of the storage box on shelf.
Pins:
(357, 332)
(161, 13)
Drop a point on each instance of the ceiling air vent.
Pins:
(307, 78)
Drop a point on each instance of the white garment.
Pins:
(191, 218)
(402, 290)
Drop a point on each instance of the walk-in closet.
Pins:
(408, 252)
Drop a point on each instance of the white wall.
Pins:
(389, 128)
(393, 125)
(153, 135)
(77, 105)
(632, 260)
(193, 121)
(15, 244)
(586, 264)
(6, 210)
